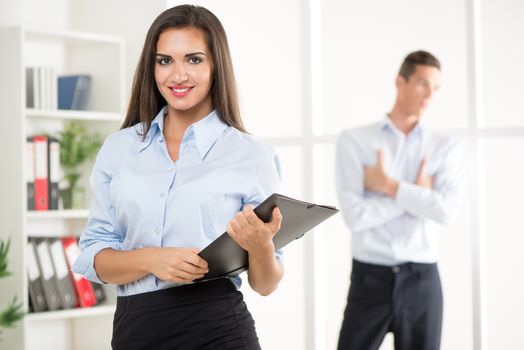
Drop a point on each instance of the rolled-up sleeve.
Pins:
(267, 182)
(101, 231)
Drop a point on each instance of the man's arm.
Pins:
(359, 213)
(431, 197)
(440, 202)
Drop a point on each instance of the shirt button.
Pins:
(162, 195)
(156, 232)
(395, 269)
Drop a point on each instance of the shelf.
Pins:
(70, 37)
(71, 313)
(73, 115)
(58, 214)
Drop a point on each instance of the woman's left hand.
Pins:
(252, 234)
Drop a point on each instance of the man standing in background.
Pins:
(396, 183)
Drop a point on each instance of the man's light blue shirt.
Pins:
(389, 231)
(141, 198)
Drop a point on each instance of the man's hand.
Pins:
(423, 179)
(376, 179)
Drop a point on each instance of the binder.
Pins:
(48, 275)
(66, 291)
(44, 90)
(41, 180)
(53, 173)
(36, 289)
(30, 87)
(100, 292)
(226, 258)
(73, 91)
(83, 288)
(54, 89)
(30, 172)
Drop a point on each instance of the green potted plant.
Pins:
(13, 312)
(76, 146)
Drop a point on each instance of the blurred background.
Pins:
(307, 70)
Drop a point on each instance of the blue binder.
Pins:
(73, 91)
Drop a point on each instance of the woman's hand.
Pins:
(180, 265)
(252, 234)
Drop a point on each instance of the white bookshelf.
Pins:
(58, 214)
(102, 57)
(108, 309)
(73, 115)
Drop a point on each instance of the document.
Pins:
(226, 258)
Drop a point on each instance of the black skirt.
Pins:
(206, 315)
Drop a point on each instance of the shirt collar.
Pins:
(387, 123)
(206, 132)
(156, 125)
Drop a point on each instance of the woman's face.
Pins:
(184, 71)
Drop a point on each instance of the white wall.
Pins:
(31, 13)
(503, 73)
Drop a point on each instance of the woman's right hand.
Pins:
(181, 265)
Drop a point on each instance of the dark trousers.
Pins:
(404, 299)
(206, 315)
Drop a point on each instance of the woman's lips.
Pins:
(180, 91)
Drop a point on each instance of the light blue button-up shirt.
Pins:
(389, 231)
(141, 198)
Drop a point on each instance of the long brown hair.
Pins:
(146, 101)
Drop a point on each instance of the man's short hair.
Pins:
(418, 57)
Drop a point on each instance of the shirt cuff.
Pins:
(407, 195)
(85, 263)
(279, 254)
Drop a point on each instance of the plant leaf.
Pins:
(12, 314)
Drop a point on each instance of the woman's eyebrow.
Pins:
(186, 55)
(194, 53)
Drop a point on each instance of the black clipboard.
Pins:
(226, 258)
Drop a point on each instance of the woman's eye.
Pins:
(163, 61)
(195, 60)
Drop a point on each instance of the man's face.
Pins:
(415, 94)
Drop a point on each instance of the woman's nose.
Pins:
(179, 74)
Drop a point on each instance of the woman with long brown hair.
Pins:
(181, 171)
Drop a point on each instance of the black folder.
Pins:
(100, 292)
(36, 288)
(30, 172)
(226, 258)
(53, 171)
(64, 286)
(52, 297)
